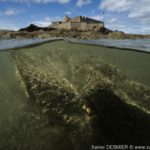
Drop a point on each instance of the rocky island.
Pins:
(79, 27)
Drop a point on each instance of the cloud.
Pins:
(135, 29)
(45, 22)
(141, 11)
(97, 17)
(137, 9)
(80, 3)
(112, 20)
(38, 1)
(116, 5)
(8, 25)
(9, 28)
(146, 29)
(10, 12)
(67, 13)
(41, 23)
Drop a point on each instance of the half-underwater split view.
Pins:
(74, 74)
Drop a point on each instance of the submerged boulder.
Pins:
(85, 99)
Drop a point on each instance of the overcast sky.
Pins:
(131, 16)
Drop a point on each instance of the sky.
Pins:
(130, 16)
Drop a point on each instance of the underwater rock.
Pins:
(91, 100)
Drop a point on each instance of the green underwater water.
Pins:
(22, 125)
(12, 95)
(43, 90)
(135, 65)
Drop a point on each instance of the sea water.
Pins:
(137, 44)
(15, 43)
(22, 125)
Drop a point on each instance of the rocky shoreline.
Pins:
(38, 32)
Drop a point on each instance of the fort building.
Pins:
(78, 23)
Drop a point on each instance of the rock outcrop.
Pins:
(33, 28)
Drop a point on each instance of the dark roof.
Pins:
(90, 20)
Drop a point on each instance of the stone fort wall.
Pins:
(78, 26)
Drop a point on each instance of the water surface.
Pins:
(138, 44)
(15, 43)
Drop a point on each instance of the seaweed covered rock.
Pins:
(91, 101)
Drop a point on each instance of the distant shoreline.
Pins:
(83, 35)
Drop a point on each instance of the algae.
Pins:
(76, 100)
